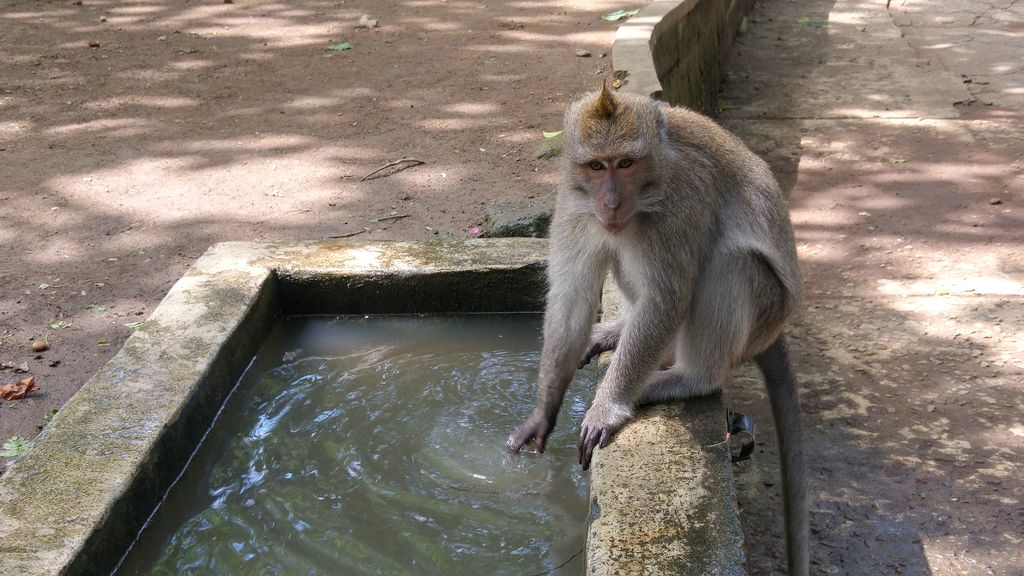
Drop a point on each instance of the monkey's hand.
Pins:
(603, 420)
(536, 428)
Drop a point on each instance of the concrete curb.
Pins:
(662, 495)
(676, 50)
(662, 499)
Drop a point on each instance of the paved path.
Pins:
(896, 128)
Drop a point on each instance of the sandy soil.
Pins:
(133, 136)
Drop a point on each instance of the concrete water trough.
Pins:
(661, 495)
(661, 500)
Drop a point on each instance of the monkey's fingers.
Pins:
(533, 429)
(589, 439)
(518, 439)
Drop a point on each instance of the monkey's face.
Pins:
(613, 184)
(611, 153)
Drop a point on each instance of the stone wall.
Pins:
(676, 50)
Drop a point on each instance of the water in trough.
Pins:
(374, 445)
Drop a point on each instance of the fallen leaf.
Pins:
(13, 447)
(812, 23)
(11, 366)
(19, 389)
(897, 160)
(59, 324)
(339, 47)
(96, 308)
(619, 15)
(134, 325)
(552, 134)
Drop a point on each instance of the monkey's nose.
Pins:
(611, 199)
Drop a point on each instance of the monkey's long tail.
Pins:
(781, 383)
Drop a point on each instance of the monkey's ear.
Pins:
(606, 105)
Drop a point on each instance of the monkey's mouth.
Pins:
(615, 227)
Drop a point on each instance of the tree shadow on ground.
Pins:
(906, 369)
(134, 135)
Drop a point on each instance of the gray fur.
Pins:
(707, 267)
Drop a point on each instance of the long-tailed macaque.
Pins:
(696, 234)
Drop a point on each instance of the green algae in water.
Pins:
(375, 446)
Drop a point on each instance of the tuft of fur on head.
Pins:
(604, 124)
(605, 105)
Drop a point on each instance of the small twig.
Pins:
(411, 161)
(399, 217)
(350, 234)
(552, 571)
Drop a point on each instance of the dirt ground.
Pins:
(135, 135)
(895, 127)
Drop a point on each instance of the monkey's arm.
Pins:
(645, 335)
(575, 276)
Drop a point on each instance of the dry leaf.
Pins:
(19, 389)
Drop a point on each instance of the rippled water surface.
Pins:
(375, 446)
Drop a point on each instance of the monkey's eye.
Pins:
(625, 163)
(595, 166)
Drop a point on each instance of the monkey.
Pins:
(695, 232)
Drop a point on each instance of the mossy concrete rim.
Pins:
(662, 499)
(76, 500)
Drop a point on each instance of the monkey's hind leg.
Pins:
(687, 377)
(711, 341)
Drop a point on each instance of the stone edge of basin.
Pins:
(676, 50)
(90, 480)
(662, 500)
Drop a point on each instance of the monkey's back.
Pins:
(753, 213)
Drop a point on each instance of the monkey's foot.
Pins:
(594, 349)
(604, 338)
(599, 426)
(536, 428)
